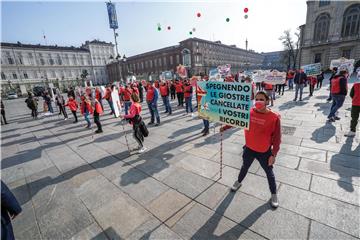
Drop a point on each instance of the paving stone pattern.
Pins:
(74, 184)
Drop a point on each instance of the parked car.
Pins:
(38, 90)
(12, 95)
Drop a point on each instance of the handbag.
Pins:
(143, 129)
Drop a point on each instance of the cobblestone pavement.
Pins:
(73, 184)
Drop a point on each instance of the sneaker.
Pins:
(294, 100)
(206, 133)
(65, 118)
(143, 149)
(328, 100)
(350, 134)
(337, 118)
(274, 201)
(300, 100)
(157, 124)
(150, 123)
(203, 131)
(235, 186)
(98, 131)
(332, 119)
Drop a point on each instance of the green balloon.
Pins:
(159, 28)
(228, 19)
(190, 33)
(246, 16)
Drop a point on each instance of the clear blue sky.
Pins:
(72, 23)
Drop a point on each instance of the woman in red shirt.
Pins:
(179, 92)
(262, 141)
(135, 119)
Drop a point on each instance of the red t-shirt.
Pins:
(164, 91)
(150, 94)
(268, 86)
(188, 91)
(264, 132)
(179, 88)
(126, 92)
(135, 109)
(356, 97)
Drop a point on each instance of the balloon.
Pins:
(190, 33)
(159, 28)
(227, 19)
(246, 16)
(194, 29)
(246, 10)
(198, 14)
(169, 28)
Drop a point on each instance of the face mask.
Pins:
(259, 105)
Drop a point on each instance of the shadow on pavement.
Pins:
(339, 164)
(207, 231)
(320, 136)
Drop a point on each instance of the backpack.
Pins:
(143, 129)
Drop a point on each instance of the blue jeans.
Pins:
(297, 88)
(111, 106)
(166, 102)
(154, 112)
(206, 124)
(188, 104)
(338, 101)
(87, 119)
(248, 158)
(50, 108)
(291, 83)
(127, 106)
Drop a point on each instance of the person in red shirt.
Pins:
(108, 98)
(312, 82)
(126, 96)
(179, 93)
(355, 107)
(164, 92)
(97, 112)
(188, 90)
(262, 141)
(135, 119)
(269, 89)
(86, 109)
(172, 90)
(157, 84)
(72, 104)
(135, 89)
(98, 96)
(152, 96)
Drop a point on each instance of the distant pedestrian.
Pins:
(319, 79)
(312, 80)
(139, 128)
(48, 100)
(269, 89)
(164, 92)
(72, 104)
(355, 108)
(108, 97)
(60, 102)
(152, 96)
(290, 79)
(299, 80)
(31, 103)
(3, 117)
(10, 208)
(333, 74)
(173, 90)
(71, 92)
(126, 97)
(179, 93)
(262, 141)
(97, 112)
(188, 93)
(86, 109)
(338, 93)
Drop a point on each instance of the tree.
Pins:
(83, 75)
(291, 48)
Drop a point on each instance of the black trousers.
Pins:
(355, 111)
(34, 113)
(281, 88)
(97, 121)
(319, 84)
(3, 117)
(74, 113)
(173, 95)
(180, 97)
(311, 89)
(63, 111)
(138, 135)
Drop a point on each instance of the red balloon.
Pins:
(168, 27)
(246, 10)
(198, 14)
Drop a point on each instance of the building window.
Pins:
(160, 62)
(11, 61)
(164, 59)
(42, 61)
(51, 61)
(20, 60)
(317, 58)
(3, 76)
(151, 64)
(346, 53)
(351, 21)
(26, 76)
(178, 59)
(171, 60)
(324, 3)
(14, 76)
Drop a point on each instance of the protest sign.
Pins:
(116, 102)
(343, 63)
(181, 71)
(267, 76)
(168, 75)
(214, 75)
(225, 102)
(224, 70)
(312, 69)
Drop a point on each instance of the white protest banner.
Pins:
(275, 77)
(225, 102)
(259, 75)
(116, 102)
(312, 69)
(343, 63)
